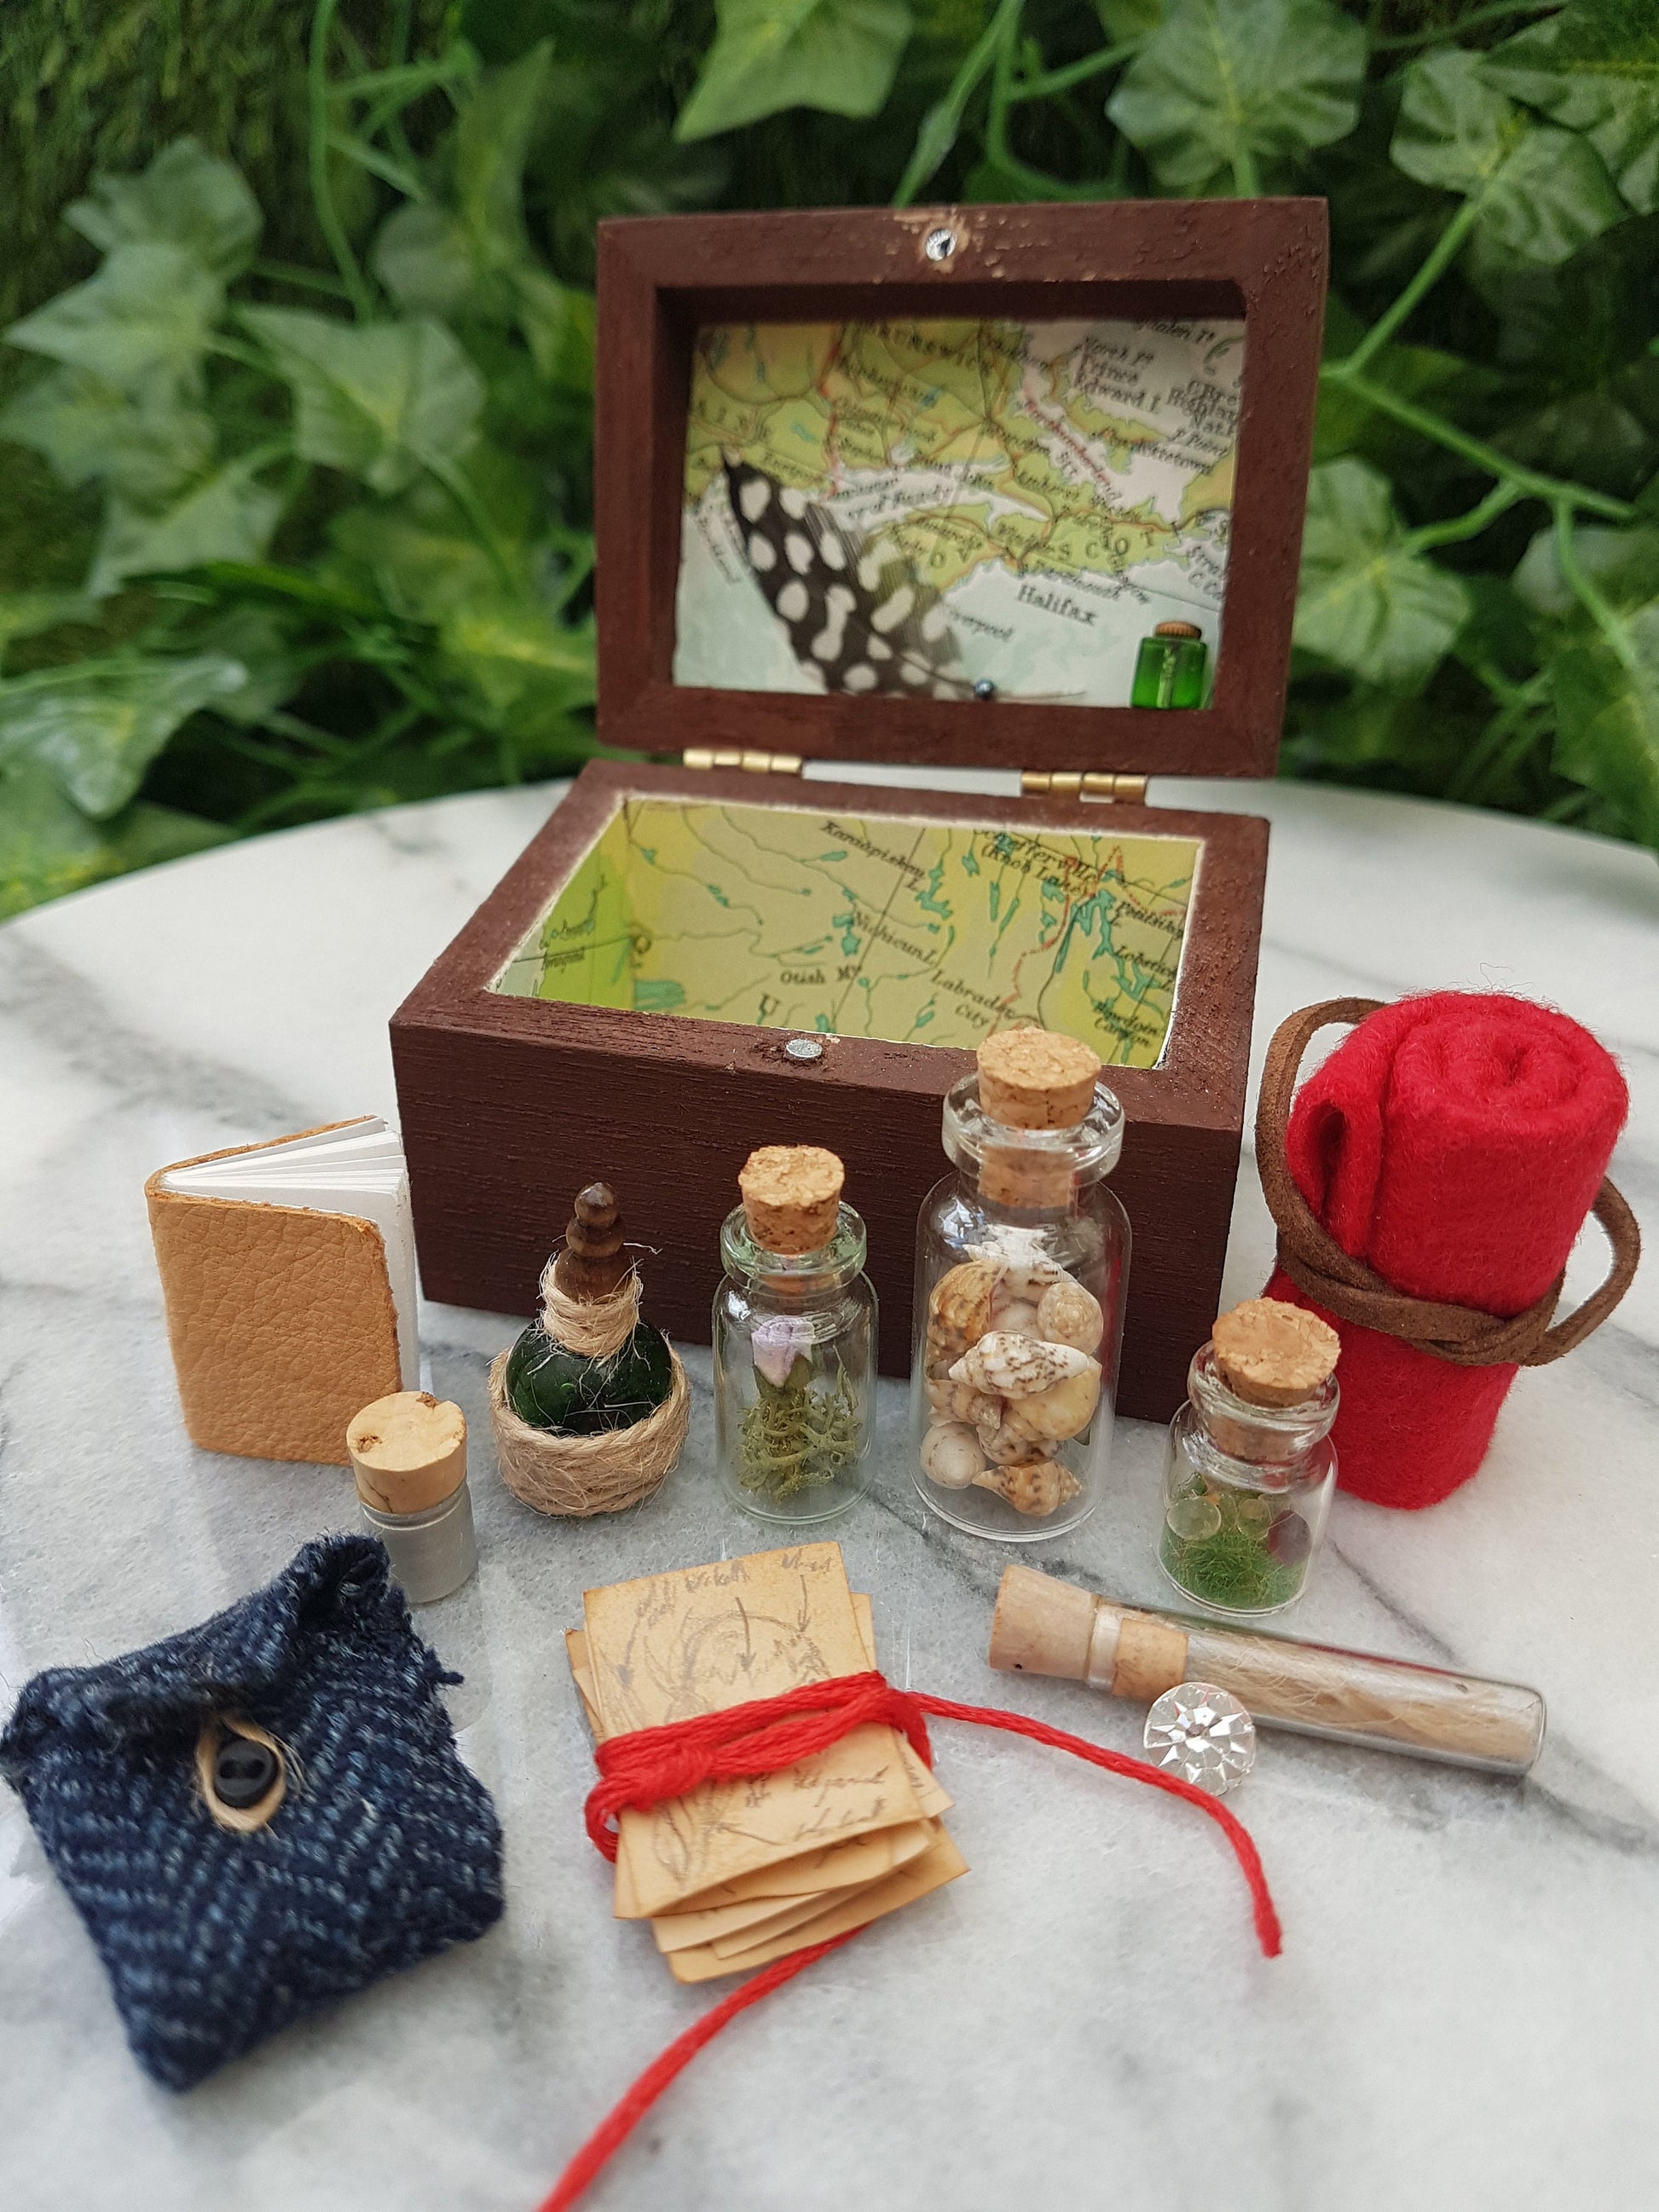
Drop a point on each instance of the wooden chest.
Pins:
(995, 447)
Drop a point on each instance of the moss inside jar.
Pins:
(553, 1382)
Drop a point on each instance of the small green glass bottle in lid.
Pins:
(1171, 667)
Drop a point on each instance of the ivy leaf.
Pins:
(186, 197)
(1123, 20)
(423, 257)
(513, 649)
(145, 442)
(379, 401)
(767, 55)
(229, 518)
(557, 322)
(1622, 564)
(150, 306)
(98, 724)
(1222, 85)
(1367, 602)
(1607, 705)
(49, 847)
(26, 614)
(254, 636)
(1594, 68)
(1541, 192)
(492, 141)
(1582, 397)
(442, 260)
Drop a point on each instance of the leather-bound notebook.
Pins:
(289, 1274)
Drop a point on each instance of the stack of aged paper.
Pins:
(736, 1873)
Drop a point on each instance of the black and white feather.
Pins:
(857, 619)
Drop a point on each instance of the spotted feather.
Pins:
(856, 619)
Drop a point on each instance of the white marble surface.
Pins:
(1463, 2016)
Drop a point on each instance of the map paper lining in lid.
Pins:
(857, 498)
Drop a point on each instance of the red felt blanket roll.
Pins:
(1455, 1143)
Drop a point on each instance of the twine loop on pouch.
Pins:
(1346, 1288)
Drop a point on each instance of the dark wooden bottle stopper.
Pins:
(594, 1263)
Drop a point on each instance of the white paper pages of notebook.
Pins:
(357, 1170)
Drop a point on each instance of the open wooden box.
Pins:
(691, 961)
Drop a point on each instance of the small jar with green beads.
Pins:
(1251, 1468)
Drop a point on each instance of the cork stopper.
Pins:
(1176, 630)
(408, 1451)
(1036, 1078)
(1270, 1353)
(1041, 1626)
(594, 1262)
(792, 1196)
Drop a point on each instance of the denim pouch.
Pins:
(382, 1849)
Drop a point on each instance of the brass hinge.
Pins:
(1072, 783)
(757, 763)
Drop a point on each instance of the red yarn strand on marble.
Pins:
(762, 1737)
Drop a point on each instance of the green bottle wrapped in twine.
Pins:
(590, 1405)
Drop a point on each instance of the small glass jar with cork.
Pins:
(1251, 1468)
(1022, 1264)
(1172, 667)
(408, 1456)
(794, 1334)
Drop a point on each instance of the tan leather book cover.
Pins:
(281, 1321)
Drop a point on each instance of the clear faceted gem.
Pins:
(1203, 1735)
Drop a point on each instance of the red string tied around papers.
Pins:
(765, 1736)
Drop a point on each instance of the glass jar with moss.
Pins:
(1251, 1468)
(794, 1334)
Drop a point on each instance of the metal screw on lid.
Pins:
(804, 1048)
(939, 245)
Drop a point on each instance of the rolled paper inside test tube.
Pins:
(1043, 1626)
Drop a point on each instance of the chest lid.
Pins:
(998, 486)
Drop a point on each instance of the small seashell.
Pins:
(960, 1304)
(959, 1402)
(1024, 1267)
(1017, 1317)
(1067, 1313)
(1003, 1442)
(951, 1455)
(1031, 1486)
(1064, 1410)
(1019, 1366)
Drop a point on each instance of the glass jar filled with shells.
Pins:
(794, 1336)
(1022, 1263)
(1251, 1468)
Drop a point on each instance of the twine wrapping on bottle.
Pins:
(1346, 1287)
(605, 1473)
(595, 1328)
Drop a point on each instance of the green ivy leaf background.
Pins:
(296, 406)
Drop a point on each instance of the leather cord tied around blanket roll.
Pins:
(1351, 1290)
